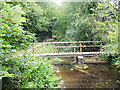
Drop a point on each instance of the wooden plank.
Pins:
(60, 42)
(73, 46)
(92, 46)
(69, 42)
(80, 57)
(73, 42)
(61, 46)
(89, 41)
(70, 54)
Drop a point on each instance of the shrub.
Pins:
(31, 72)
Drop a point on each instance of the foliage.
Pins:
(107, 24)
(72, 20)
(81, 31)
(81, 26)
(4, 72)
(37, 21)
(106, 19)
(31, 72)
(13, 37)
(56, 60)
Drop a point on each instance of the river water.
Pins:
(95, 76)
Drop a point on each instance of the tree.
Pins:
(106, 20)
(81, 25)
(38, 22)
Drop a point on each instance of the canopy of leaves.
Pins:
(38, 22)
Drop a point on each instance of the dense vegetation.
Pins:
(13, 37)
(24, 23)
(29, 72)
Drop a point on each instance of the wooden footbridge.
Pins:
(77, 44)
(77, 54)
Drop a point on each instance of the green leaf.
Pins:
(8, 75)
(5, 14)
(5, 45)
(5, 42)
(4, 68)
(1, 19)
(18, 19)
(23, 19)
(3, 31)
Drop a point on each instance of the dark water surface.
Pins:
(96, 76)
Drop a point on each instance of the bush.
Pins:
(13, 37)
(31, 72)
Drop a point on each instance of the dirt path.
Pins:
(20, 53)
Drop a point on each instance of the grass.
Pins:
(47, 48)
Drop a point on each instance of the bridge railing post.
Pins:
(74, 47)
(33, 48)
(101, 46)
(54, 47)
(80, 47)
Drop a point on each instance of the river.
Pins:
(95, 76)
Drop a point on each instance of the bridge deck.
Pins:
(68, 54)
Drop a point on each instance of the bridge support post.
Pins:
(76, 59)
(80, 60)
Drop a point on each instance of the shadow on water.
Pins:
(96, 76)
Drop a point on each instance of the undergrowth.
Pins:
(29, 72)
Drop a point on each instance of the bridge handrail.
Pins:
(75, 46)
(74, 42)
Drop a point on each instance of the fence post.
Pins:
(74, 47)
(80, 47)
(101, 47)
(53, 47)
(33, 48)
